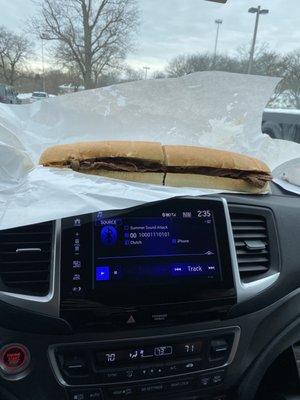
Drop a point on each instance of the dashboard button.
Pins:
(78, 395)
(217, 377)
(152, 388)
(219, 349)
(153, 372)
(190, 366)
(129, 374)
(94, 395)
(205, 381)
(74, 365)
(122, 391)
(173, 369)
(15, 358)
(184, 367)
(184, 384)
(160, 371)
(112, 376)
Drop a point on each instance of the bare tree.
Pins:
(187, 64)
(131, 74)
(266, 61)
(291, 78)
(159, 74)
(91, 34)
(14, 50)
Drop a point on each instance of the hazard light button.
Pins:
(131, 320)
(14, 359)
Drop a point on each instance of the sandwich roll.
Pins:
(126, 160)
(210, 168)
(212, 182)
(150, 162)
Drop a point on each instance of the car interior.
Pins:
(187, 298)
(100, 318)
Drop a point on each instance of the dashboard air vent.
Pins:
(251, 243)
(25, 259)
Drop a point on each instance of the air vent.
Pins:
(25, 258)
(251, 243)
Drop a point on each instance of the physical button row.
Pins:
(187, 384)
(86, 394)
(143, 373)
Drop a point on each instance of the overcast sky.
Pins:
(172, 27)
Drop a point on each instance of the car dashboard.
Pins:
(188, 298)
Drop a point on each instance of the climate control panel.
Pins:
(122, 369)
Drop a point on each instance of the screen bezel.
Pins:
(184, 290)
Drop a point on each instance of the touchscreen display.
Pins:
(171, 251)
(172, 246)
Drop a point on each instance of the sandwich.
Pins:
(125, 160)
(150, 162)
(215, 169)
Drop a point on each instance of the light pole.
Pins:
(258, 11)
(146, 71)
(219, 22)
(44, 36)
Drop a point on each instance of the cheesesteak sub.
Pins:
(150, 162)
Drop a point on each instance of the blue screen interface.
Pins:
(172, 246)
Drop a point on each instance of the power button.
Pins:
(14, 359)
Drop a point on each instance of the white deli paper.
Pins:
(287, 176)
(213, 109)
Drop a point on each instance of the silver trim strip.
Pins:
(245, 291)
(48, 304)
(53, 362)
(37, 249)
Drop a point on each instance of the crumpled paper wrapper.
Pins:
(213, 109)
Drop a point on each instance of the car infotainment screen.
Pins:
(169, 251)
(172, 246)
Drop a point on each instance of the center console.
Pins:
(157, 265)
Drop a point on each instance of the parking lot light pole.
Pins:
(146, 71)
(219, 22)
(44, 36)
(258, 11)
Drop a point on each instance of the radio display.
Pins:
(172, 246)
(171, 251)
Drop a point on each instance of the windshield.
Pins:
(203, 73)
(182, 38)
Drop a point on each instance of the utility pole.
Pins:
(44, 36)
(258, 11)
(146, 71)
(219, 22)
